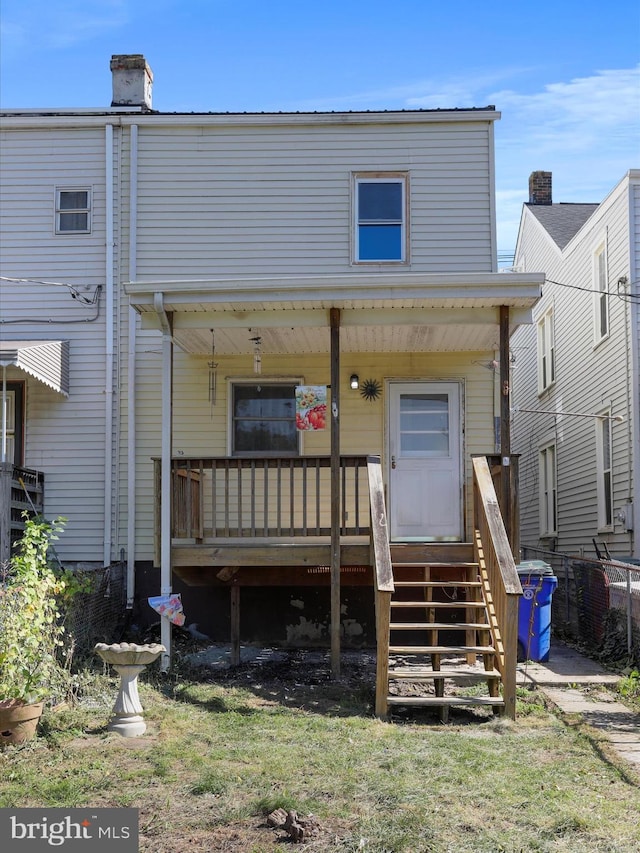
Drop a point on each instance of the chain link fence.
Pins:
(99, 614)
(596, 603)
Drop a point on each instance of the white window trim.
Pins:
(546, 351)
(87, 210)
(604, 420)
(257, 380)
(548, 489)
(600, 294)
(381, 177)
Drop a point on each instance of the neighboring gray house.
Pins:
(575, 377)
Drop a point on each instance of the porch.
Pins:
(21, 490)
(267, 522)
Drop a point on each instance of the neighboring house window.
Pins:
(546, 352)
(73, 211)
(604, 457)
(601, 295)
(13, 417)
(381, 218)
(263, 419)
(548, 492)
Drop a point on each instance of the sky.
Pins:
(565, 75)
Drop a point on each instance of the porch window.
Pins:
(380, 218)
(14, 422)
(264, 419)
(73, 211)
(601, 304)
(604, 456)
(546, 352)
(548, 491)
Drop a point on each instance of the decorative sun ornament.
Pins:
(371, 389)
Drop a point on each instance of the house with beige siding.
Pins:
(576, 382)
(291, 383)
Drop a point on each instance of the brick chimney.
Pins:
(132, 81)
(540, 188)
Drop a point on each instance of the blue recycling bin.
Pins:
(534, 610)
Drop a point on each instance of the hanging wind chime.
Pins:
(257, 354)
(213, 373)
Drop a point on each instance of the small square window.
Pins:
(380, 219)
(73, 211)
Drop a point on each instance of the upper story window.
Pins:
(263, 419)
(604, 456)
(73, 211)
(380, 206)
(546, 352)
(601, 305)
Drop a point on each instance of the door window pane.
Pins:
(424, 424)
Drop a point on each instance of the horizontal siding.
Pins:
(64, 437)
(590, 375)
(217, 201)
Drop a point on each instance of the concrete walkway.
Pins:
(561, 679)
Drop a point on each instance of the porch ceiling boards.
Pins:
(381, 312)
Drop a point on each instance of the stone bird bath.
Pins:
(128, 660)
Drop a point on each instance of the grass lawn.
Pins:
(223, 749)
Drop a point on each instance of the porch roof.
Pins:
(380, 312)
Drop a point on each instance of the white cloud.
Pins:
(58, 24)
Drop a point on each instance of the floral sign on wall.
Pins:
(311, 407)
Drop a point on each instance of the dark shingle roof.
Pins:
(562, 221)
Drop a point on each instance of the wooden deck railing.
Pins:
(21, 490)
(233, 497)
(499, 577)
(382, 579)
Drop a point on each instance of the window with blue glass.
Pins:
(380, 220)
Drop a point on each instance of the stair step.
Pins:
(442, 650)
(439, 604)
(443, 584)
(449, 701)
(438, 626)
(421, 674)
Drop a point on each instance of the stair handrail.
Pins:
(501, 584)
(382, 579)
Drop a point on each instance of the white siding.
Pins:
(64, 438)
(268, 201)
(589, 377)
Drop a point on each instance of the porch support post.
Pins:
(165, 480)
(505, 424)
(335, 491)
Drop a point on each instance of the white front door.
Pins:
(425, 478)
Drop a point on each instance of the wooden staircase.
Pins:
(440, 639)
(445, 624)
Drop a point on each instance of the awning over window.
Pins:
(46, 361)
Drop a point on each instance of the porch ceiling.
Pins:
(387, 312)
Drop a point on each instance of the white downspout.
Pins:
(165, 482)
(633, 190)
(3, 458)
(109, 344)
(131, 373)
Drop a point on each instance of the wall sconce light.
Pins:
(354, 382)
